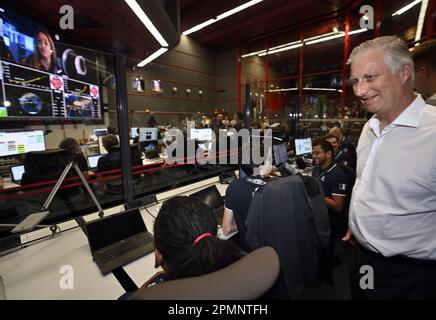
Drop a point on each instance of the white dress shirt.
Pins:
(393, 206)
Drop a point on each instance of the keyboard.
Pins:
(124, 247)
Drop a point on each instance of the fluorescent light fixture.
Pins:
(421, 20)
(152, 57)
(339, 35)
(221, 16)
(147, 22)
(405, 8)
(2, 10)
(314, 89)
(283, 90)
(252, 54)
(357, 31)
(320, 36)
(308, 41)
(199, 26)
(237, 9)
(281, 49)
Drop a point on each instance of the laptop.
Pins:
(93, 161)
(118, 239)
(17, 173)
(212, 198)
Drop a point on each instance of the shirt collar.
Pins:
(410, 116)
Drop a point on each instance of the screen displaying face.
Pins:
(42, 78)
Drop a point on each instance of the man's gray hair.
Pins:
(396, 52)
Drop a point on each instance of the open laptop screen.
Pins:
(17, 172)
(93, 161)
(106, 231)
(280, 153)
(210, 197)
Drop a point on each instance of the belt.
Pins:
(398, 258)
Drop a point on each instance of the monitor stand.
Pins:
(32, 220)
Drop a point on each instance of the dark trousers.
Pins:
(394, 277)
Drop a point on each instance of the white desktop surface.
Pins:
(33, 272)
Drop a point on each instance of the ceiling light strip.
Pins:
(221, 16)
(405, 8)
(152, 57)
(421, 19)
(341, 34)
(308, 41)
(281, 49)
(147, 22)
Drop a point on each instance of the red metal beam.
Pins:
(300, 81)
(430, 12)
(378, 18)
(344, 63)
(238, 66)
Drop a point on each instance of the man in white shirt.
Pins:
(393, 207)
(424, 57)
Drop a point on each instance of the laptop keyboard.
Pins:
(125, 247)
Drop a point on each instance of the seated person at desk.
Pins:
(340, 157)
(238, 199)
(72, 145)
(335, 185)
(112, 160)
(186, 244)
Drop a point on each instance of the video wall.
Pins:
(44, 79)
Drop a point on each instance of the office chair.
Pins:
(246, 279)
(48, 165)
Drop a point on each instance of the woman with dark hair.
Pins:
(185, 241)
(45, 54)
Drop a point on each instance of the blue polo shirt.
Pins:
(334, 182)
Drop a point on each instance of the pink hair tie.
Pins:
(204, 235)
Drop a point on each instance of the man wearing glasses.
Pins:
(393, 207)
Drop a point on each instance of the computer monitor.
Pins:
(280, 153)
(19, 142)
(93, 161)
(303, 146)
(134, 132)
(99, 132)
(17, 173)
(147, 134)
(201, 134)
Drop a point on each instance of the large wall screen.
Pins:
(42, 78)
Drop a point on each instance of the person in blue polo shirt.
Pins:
(345, 144)
(340, 157)
(335, 185)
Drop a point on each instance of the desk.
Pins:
(34, 271)
(7, 184)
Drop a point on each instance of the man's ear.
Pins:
(423, 70)
(158, 258)
(406, 73)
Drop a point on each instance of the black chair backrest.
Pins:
(45, 165)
